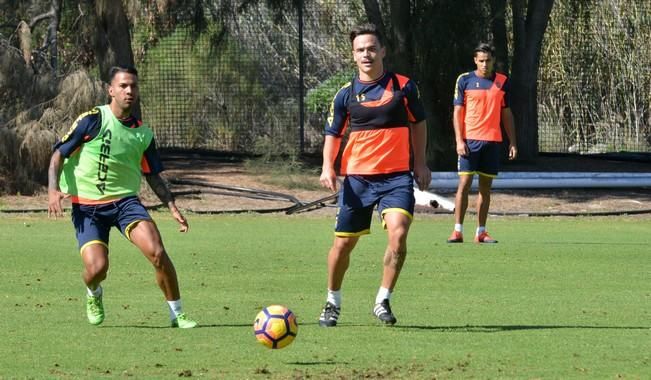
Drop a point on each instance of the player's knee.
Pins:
(344, 245)
(97, 269)
(485, 192)
(159, 258)
(397, 233)
(465, 182)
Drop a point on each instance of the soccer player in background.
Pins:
(100, 163)
(481, 105)
(387, 129)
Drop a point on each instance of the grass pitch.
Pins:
(556, 298)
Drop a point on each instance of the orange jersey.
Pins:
(379, 114)
(483, 100)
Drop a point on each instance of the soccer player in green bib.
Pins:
(99, 163)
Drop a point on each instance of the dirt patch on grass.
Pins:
(233, 186)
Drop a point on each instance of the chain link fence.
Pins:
(595, 78)
(260, 80)
(245, 83)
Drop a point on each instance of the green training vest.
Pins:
(108, 166)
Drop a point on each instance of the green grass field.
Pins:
(557, 298)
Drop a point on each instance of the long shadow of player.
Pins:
(169, 327)
(503, 328)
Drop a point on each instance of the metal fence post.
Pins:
(301, 79)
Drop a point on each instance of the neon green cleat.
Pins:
(183, 322)
(94, 310)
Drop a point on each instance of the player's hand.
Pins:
(184, 227)
(513, 152)
(328, 179)
(54, 207)
(462, 148)
(422, 176)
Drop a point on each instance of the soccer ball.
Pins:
(275, 326)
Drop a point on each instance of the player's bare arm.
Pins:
(55, 195)
(457, 121)
(507, 121)
(328, 177)
(162, 191)
(422, 174)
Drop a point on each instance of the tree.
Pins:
(500, 39)
(112, 38)
(49, 46)
(38, 98)
(528, 35)
(398, 31)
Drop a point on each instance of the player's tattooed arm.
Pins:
(55, 196)
(162, 191)
(160, 188)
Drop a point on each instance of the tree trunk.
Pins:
(402, 54)
(528, 35)
(51, 37)
(397, 37)
(112, 39)
(25, 41)
(498, 26)
(374, 14)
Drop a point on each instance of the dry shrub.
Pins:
(8, 156)
(78, 93)
(50, 118)
(35, 151)
(7, 147)
(26, 141)
(25, 117)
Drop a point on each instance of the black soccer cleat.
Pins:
(383, 312)
(329, 315)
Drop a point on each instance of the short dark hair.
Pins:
(121, 69)
(484, 47)
(366, 29)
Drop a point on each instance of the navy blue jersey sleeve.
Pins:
(460, 90)
(85, 128)
(506, 87)
(414, 104)
(151, 162)
(338, 114)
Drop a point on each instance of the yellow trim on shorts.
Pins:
(81, 250)
(398, 210)
(467, 173)
(487, 175)
(127, 230)
(395, 209)
(353, 234)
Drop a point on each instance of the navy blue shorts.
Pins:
(93, 222)
(360, 194)
(483, 159)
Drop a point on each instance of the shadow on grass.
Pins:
(503, 328)
(614, 243)
(466, 328)
(200, 326)
(321, 362)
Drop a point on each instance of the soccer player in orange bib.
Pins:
(481, 105)
(387, 130)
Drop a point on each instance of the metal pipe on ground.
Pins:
(550, 180)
